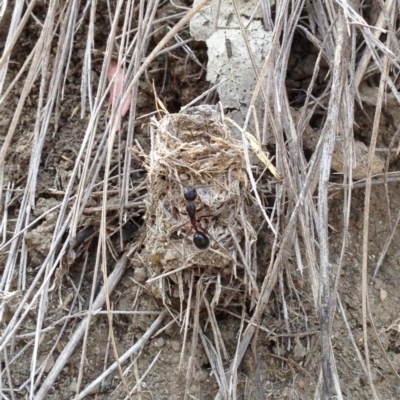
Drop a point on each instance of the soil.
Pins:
(284, 359)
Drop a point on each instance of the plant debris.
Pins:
(196, 148)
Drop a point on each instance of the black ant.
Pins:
(201, 236)
(200, 239)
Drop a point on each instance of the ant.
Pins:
(200, 239)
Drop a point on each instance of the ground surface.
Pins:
(285, 361)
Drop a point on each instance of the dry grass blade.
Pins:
(217, 367)
(328, 135)
(381, 22)
(374, 135)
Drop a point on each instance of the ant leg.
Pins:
(205, 216)
(203, 230)
(199, 209)
(177, 227)
(200, 230)
(184, 240)
(180, 226)
(188, 233)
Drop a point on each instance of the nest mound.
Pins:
(196, 149)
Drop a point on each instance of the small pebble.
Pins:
(140, 275)
(159, 342)
(73, 386)
(301, 384)
(175, 345)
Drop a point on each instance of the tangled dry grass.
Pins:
(73, 196)
(196, 149)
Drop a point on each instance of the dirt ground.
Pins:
(284, 360)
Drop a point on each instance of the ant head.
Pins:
(189, 193)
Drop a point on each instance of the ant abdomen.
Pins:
(200, 240)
